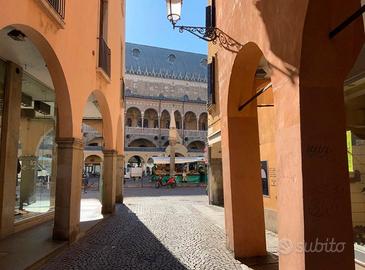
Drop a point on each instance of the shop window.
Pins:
(35, 183)
(356, 161)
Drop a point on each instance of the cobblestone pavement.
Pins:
(155, 229)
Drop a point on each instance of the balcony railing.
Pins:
(93, 148)
(104, 56)
(144, 131)
(165, 132)
(59, 7)
(145, 149)
(196, 133)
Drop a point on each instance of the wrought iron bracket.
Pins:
(212, 34)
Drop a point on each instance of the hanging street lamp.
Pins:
(174, 10)
(209, 33)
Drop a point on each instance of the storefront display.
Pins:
(35, 181)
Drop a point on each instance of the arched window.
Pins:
(129, 122)
(145, 123)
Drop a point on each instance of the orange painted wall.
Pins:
(71, 55)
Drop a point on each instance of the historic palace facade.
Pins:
(158, 83)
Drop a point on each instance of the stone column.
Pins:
(109, 183)
(314, 201)
(120, 179)
(243, 202)
(28, 180)
(172, 157)
(68, 188)
(173, 137)
(9, 147)
(215, 180)
(52, 183)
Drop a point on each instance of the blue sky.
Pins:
(147, 24)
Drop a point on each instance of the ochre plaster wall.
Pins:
(307, 68)
(71, 55)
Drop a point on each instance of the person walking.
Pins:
(86, 182)
(184, 178)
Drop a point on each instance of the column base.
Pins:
(70, 235)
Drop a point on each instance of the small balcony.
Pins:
(196, 133)
(142, 131)
(104, 57)
(59, 7)
(145, 149)
(93, 148)
(56, 10)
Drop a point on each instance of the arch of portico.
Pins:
(73, 81)
(304, 78)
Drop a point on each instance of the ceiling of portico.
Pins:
(26, 55)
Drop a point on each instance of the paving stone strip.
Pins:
(151, 233)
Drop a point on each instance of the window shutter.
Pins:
(211, 82)
(210, 16)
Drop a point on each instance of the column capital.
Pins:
(28, 157)
(70, 142)
(110, 153)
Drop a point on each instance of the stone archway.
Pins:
(203, 121)
(133, 117)
(109, 165)
(178, 119)
(57, 96)
(150, 119)
(141, 142)
(190, 121)
(245, 226)
(196, 146)
(165, 119)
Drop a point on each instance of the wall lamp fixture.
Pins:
(208, 33)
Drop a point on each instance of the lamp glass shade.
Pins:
(174, 10)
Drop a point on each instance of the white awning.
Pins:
(178, 160)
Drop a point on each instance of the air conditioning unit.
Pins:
(42, 108)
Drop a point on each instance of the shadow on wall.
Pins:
(297, 24)
(106, 248)
(278, 26)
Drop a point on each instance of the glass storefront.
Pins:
(356, 160)
(36, 164)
